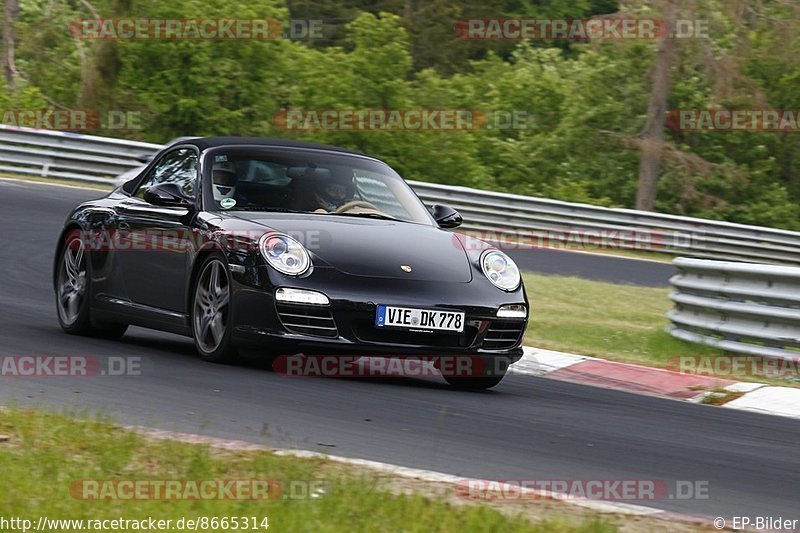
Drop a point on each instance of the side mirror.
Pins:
(167, 195)
(446, 216)
(144, 158)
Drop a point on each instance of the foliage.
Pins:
(580, 106)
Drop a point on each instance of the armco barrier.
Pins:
(65, 155)
(741, 308)
(98, 159)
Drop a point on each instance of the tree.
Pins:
(652, 138)
(9, 66)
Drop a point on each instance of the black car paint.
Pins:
(356, 263)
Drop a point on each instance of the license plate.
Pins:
(404, 317)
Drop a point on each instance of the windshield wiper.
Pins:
(266, 209)
(370, 215)
(285, 210)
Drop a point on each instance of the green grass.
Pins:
(613, 321)
(42, 454)
(624, 323)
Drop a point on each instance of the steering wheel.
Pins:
(355, 203)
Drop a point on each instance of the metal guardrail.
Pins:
(738, 307)
(511, 219)
(65, 155)
(525, 218)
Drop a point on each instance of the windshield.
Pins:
(308, 181)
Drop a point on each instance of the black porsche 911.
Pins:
(288, 248)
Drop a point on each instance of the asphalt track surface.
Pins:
(526, 428)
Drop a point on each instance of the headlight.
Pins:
(284, 254)
(500, 270)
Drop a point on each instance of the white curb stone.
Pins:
(782, 401)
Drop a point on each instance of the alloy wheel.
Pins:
(72, 281)
(211, 306)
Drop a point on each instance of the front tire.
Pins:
(211, 316)
(73, 290)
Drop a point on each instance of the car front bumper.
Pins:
(347, 324)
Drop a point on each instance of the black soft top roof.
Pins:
(211, 142)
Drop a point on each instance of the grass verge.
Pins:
(42, 455)
(613, 321)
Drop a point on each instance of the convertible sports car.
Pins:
(288, 248)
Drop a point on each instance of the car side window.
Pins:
(178, 166)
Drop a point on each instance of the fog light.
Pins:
(512, 311)
(301, 296)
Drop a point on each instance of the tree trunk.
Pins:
(87, 54)
(86, 88)
(652, 138)
(9, 38)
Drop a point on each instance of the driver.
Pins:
(223, 180)
(333, 192)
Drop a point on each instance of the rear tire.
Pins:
(73, 291)
(211, 317)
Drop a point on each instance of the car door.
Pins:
(158, 239)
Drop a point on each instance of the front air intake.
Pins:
(503, 334)
(307, 319)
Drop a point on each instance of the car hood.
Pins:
(375, 247)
